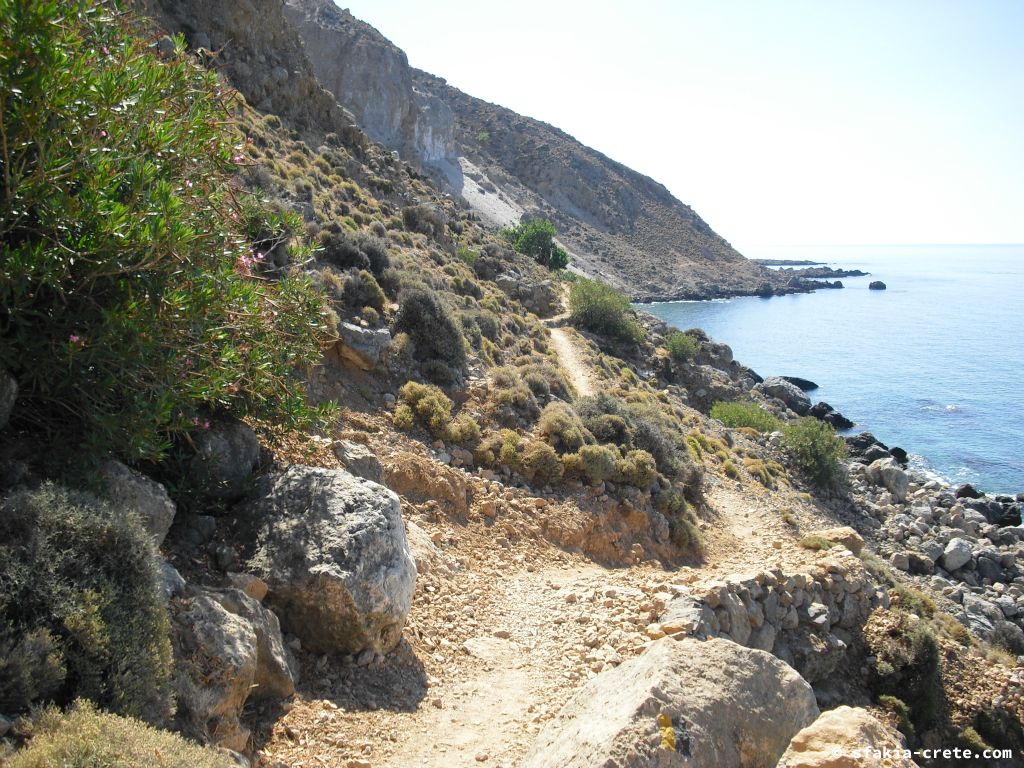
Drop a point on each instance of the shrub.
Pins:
(426, 219)
(730, 469)
(81, 611)
(540, 463)
(596, 463)
(681, 346)
(562, 428)
(361, 290)
(598, 307)
(814, 448)
(464, 430)
(637, 468)
(403, 417)
(649, 436)
(432, 407)
(128, 307)
(907, 663)
(816, 543)
(536, 238)
(433, 330)
(511, 401)
(739, 414)
(86, 738)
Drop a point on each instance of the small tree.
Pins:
(536, 238)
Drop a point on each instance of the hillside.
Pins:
(619, 225)
(391, 493)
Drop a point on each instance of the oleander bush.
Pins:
(740, 414)
(132, 294)
(597, 307)
(84, 737)
(814, 447)
(81, 611)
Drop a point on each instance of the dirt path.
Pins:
(580, 374)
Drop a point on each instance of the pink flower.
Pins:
(74, 339)
(188, 183)
(104, 134)
(237, 159)
(105, 50)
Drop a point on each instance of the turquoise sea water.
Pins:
(934, 364)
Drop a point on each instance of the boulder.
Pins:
(364, 348)
(968, 491)
(8, 394)
(805, 385)
(789, 394)
(844, 535)
(135, 492)
(332, 549)
(359, 460)
(276, 669)
(833, 740)
(227, 453)
(681, 703)
(956, 554)
(889, 474)
(876, 285)
(216, 657)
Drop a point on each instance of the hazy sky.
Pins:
(781, 123)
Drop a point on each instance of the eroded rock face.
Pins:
(686, 703)
(135, 492)
(833, 740)
(372, 78)
(333, 552)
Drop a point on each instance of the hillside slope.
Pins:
(618, 224)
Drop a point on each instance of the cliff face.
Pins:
(373, 79)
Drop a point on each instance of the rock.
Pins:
(876, 285)
(921, 564)
(333, 551)
(900, 561)
(359, 460)
(253, 586)
(135, 492)
(8, 394)
(968, 491)
(171, 582)
(888, 473)
(276, 669)
(363, 347)
(794, 399)
(982, 616)
(899, 454)
(216, 657)
(227, 454)
(833, 739)
(805, 385)
(844, 535)
(681, 703)
(956, 554)
(990, 569)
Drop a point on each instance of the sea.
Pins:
(933, 364)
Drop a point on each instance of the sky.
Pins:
(791, 122)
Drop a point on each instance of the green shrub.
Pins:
(637, 468)
(432, 407)
(511, 401)
(907, 664)
(540, 464)
(815, 448)
(403, 417)
(730, 469)
(362, 290)
(739, 414)
(126, 302)
(596, 463)
(681, 346)
(464, 430)
(430, 326)
(81, 611)
(562, 428)
(816, 543)
(86, 738)
(598, 307)
(426, 219)
(536, 238)
(901, 711)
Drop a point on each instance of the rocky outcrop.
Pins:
(226, 454)
(372, 78)
(686, 703)
(332, 550)
(790, 394)
(847, 737)
(830, 415)
(359, 460)
(136, 493)
(890, 475)
(262, 56)
(364, 348)
(877, 285)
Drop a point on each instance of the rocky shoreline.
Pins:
(804, 280)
